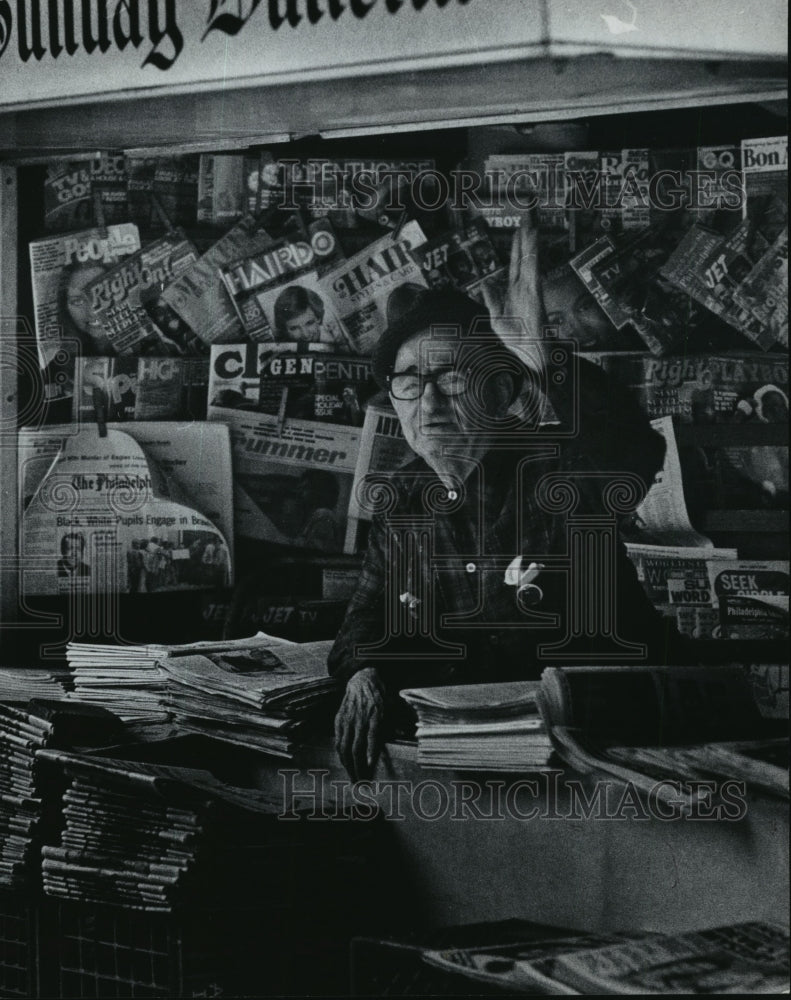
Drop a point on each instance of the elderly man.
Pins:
(468, 569)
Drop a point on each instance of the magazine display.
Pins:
(383, 450)
(130, 388)
(580, 180)
(287, 381)
(145, 508)
(765, 171)
(704, 389)
(360, 287)
(255, 285)
(722, 165)
(343, 190)
(584, 263)
(109, 187)
(631, 279)
(199, 295)
(68, 202)
(127, 301)
(463, 260)
(62, 267)
(519, 178)
(292, 479)
(737, 958)
(162, 188)
(711, 267)
(764, 291)
(752, 598)
(224, 186)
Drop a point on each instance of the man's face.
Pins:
(433, 421)
(305, 326)
(72, 551)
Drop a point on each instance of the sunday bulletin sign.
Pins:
(71, 50)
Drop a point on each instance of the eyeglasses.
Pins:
(410, 385)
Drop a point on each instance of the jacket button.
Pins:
(470, 567)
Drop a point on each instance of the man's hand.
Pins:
(517, 312)
(358, 724)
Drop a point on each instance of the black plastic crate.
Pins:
(19, 936)
(104, 951)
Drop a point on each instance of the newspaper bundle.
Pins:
(147, 507)
(130, 388)
(383, 449)
(359, 288)
(61, 268)
(199, 295)
(127, 301)
(480, 727)
(288, 381)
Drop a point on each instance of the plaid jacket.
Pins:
(433, 606)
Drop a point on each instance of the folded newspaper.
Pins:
(292, 478)
(143, 509)
(662, 518)
(744, 958)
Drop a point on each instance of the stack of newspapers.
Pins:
(21, 735)
(261, 692)
(20, 684)
(124, 679)
(126, 839)
(480, 727)
(156, 837)
(264, 693)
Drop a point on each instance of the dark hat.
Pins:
(412, 308)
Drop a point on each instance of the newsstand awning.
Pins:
(209, 72)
